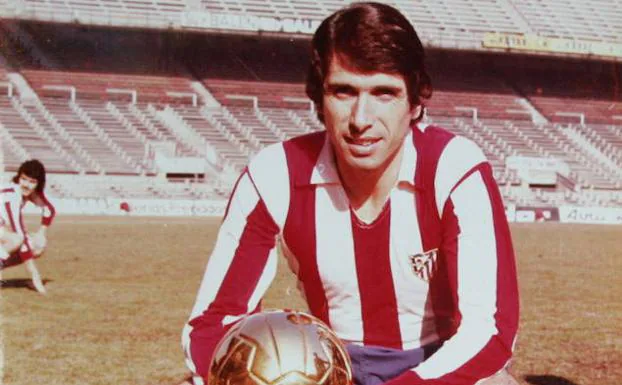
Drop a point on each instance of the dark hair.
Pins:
(369, 37)
(33, 169)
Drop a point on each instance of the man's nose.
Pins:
(361, 116)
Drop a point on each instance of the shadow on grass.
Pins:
(19, 283)
(548, 380)
(186, 381)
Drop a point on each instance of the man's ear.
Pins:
(416, 112)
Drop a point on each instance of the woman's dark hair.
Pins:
(33, 169)
(369, 37)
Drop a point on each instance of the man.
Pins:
(16, 245)
(396, 230)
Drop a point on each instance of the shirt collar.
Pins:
(325, 169)
(409, 160)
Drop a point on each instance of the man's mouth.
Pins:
(361, 141)
(362, 147)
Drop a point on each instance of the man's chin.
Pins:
(363, 163)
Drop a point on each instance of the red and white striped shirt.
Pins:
(11, 213)
(415, 276)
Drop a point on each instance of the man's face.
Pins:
(367, 115)
(27, 184)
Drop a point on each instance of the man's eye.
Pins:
(343, 92)
(385, 94)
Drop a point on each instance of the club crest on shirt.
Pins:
(424, 264)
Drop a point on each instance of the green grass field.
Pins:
(120, 290)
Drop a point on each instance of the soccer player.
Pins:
(395, 229)
(16, 245)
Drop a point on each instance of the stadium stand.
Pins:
(97, 104)
(234, 150)
(597, 20)
(442, 23)
(139, 13)
(461, 23)
(29, 138)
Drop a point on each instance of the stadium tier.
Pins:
(596, 20)
(442, 23)
(97, 105)
(124, 12)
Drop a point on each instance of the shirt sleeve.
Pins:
(13, 211)
(477, 237)
(239, 271)
(48, 212)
